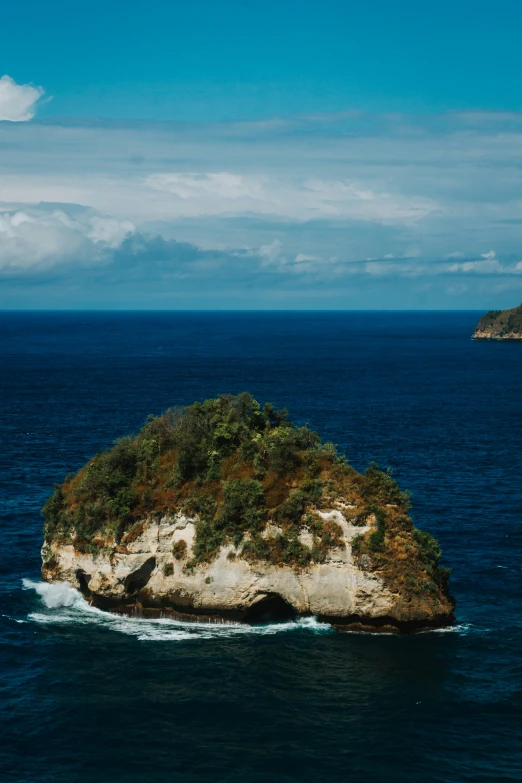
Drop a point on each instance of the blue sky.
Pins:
(264, 155)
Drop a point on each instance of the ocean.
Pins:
(87, 697)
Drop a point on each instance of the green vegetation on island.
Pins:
(500, 325)
(252, 479)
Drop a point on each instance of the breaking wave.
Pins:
(64, 605)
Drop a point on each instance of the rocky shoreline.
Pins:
(138, 578)
(484, 335)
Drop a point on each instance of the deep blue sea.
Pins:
(87, 697)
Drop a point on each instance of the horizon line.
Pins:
(237, 310)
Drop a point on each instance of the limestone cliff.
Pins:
(500, 325)
(226, 510)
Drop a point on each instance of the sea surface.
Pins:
(87, 697)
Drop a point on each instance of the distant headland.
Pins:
(500, 325)
(226, 510)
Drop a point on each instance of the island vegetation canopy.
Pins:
(251, 478)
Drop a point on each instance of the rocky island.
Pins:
(500, 325)
(227, 511)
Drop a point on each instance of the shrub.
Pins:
(376, 537)
(442, 576)
(179, 550)
(55, 512)
(357, 544)
(379, 487)
(429, 550)
(283, 451)
(256, 548)
(331, 534)
(294, 506)
(290, 551)
(313, 489)
(241, 499)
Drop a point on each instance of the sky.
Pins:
(260, 155)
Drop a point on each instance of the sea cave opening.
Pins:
(83, 582)
(138, 579)
(270, 608)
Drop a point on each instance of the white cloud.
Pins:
(302, 257)
(109, 231)
(33, 239)
(17, 101)
(487, 264)
(293, 197)
(271, 253)
(222, 184)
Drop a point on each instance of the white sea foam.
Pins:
(63, 605)
(54, 595)
(462, 628)
(13, 619)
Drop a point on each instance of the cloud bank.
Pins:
(301, 198)
(348, 210)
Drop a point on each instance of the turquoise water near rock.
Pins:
(89, 697)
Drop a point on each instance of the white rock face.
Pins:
(145, 572)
